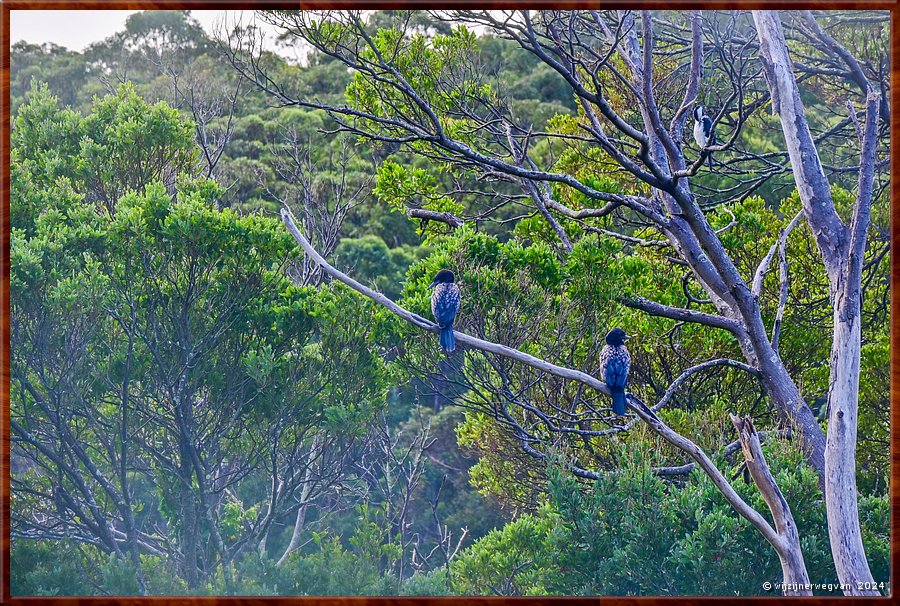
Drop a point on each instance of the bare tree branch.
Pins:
(682, 315)
(780, 543)
(796, 579)
(763, 267)
(433, 215)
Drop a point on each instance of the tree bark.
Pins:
(190, 529)
(796, 579)
(842, 252)
(840, 454)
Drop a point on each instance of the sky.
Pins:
(76, 30)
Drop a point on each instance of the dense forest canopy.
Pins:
(197, 407)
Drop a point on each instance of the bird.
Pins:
(615, 361)
(704, 133)
(444, 305)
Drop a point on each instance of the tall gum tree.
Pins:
(842, 248)
(424, 96)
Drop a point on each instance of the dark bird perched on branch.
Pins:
(615, 362)
(444, 305)
(704, 133)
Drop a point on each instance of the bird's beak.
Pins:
(626, 337)
(433, 284)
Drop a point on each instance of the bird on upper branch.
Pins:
(704, 133)
(444, 305)
(615, 361)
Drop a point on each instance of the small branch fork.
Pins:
(783, 537)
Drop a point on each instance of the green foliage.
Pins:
(47, 568)
(370, 259)
(132, 298)
(332, 570)
(123, 145)
(400, 187)
(119, 577)
(162, 578)
(631, 533)
(519, 559)
(433, 583)
(129, 269)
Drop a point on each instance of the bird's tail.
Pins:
(709, 157)
(448, 341)
(618, 398)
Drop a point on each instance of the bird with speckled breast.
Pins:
(444, 305)
(615, 362)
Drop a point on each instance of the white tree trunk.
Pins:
(842, 252)
(840, 450)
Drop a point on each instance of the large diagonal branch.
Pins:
(417, 320)
(796, 578)
(645, 413)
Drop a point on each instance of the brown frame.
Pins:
(893, 6)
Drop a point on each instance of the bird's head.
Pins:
(698, 113)
(445, 276)
(616, 336)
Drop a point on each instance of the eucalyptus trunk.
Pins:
(842, 248)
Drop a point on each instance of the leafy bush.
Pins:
(632, 533)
